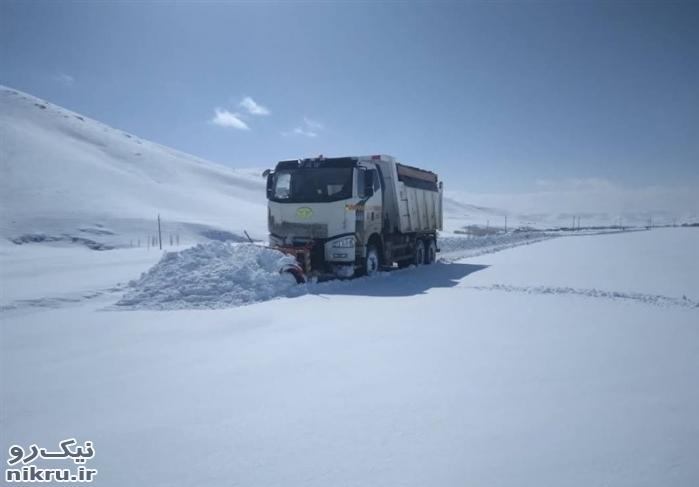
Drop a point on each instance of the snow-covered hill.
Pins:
(591, 205)
(65, 176)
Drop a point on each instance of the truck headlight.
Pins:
(344, 243)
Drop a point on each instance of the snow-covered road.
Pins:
(530, 366)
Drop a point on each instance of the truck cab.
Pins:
(338, 216)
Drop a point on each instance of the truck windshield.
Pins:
(309, 185)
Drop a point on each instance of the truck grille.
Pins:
(311, 230)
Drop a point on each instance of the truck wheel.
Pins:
(372, 262)
(431, 252)
(419, 253)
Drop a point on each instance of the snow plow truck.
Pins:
(347, 216)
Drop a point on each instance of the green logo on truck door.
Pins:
(304, 212)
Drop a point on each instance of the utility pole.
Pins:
(160, 235)
(505, 223)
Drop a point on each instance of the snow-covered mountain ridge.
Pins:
(67, 176)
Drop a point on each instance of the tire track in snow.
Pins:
(652, 299)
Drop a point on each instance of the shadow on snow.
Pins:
(404, 282)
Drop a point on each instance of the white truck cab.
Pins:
(344, 215)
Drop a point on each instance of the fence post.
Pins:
(160, 235)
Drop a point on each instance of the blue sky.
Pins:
(495, 96)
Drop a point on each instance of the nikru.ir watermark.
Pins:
(21, 469)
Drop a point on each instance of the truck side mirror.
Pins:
(270, 183)
(266, 172)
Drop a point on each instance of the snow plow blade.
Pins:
(295, 271)
(302, 267)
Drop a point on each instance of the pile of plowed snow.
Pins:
(213, 275)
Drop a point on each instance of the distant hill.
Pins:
(64, 174)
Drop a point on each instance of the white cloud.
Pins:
(64, 79)
(309, 128)
(312, 124)
(224, 118)
(253, 107)
(304, 132)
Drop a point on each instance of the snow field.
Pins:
(413, 378)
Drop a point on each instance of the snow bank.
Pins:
(455, 246)
(213, 275)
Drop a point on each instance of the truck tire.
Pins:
(431, 252)
(372, 262)
(419, 257)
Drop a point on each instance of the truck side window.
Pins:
(361, 178)
(377, 183)
(367, 182)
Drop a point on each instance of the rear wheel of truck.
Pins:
(419, 257)
(431, 252)
(372, 262)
